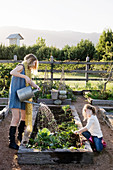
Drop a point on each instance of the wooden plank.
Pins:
(78, 62)
(61, 62)
(107, 117)
(43, 158)
(83, 62)
(75, 79)
(107, 108)
(4, 101)
(79, 71)
(51, 101)
(4, 112)
(75, 71)
(101, 102)
(10, 61)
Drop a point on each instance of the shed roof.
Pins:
(17, 36)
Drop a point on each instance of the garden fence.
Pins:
(87, 71)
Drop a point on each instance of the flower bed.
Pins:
(45, 147)
(100, 97)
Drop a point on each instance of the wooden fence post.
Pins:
(15, 57)
(87, 69)
(51, 58)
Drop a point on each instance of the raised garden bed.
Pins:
(107, 114)
(58, 155)
(100, 102)
(3, 101)
(4, 110)
(81, 92)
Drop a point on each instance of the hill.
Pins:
(53, 38)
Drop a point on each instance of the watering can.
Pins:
(26, 93)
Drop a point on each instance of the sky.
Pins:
(76, 15)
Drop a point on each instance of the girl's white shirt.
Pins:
(93, 126)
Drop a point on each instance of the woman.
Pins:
(21, 77)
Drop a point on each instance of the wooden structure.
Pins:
(4, 112)
(78, 156)
(51, 101)
(14, 39)
(86, 71)
(100, 102)
(107, 115)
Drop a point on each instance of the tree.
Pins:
(2, 52)
(9, 52)
(84, 48)
(56, 53)
(73, 53)
(40, 42)
(32, 49)
(105, 45)
(20, 52)
(66, 52)
(43, 53)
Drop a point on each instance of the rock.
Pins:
(63, 92)
(57, 102)
(62, 97)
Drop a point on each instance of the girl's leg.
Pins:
(23, 114)
(12, 130)
(86, 134)
(21, 125)
(98, 143)
(15, 117)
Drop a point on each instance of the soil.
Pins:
(102, 161)
(58, 115)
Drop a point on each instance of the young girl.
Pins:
(92, 130)
(21, 77)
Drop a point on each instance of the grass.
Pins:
(79, 85)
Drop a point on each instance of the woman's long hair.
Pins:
(30, 58)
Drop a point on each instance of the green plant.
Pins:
(106, 95)
(4, 92)
(62, 139)
(45, 140)
(66, 108)
(47, 93)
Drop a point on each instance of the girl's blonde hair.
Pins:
(30, 58)
(90, 107)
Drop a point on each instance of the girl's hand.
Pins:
(28, 80)
(75, 132)
(37, 87)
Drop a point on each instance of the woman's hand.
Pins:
(34, 85)
(37, 87)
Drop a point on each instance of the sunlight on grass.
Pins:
(77, 85)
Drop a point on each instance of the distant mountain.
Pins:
(53, 38)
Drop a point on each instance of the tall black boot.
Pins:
(12, 143)
(21, 130)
